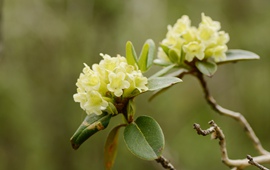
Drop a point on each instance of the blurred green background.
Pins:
(46, 43)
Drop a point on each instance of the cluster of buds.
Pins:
(184, 43)
(110, 82)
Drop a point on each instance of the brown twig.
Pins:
(236, 164)
(165, 163)
(235, 115)
(252, 162)
(203, 132)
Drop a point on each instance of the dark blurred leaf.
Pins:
(235, 55)
(157, 83)
(91, 124)
(111, 147)
(144, 138)
(208, 68)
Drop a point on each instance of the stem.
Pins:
(235, 164)
(252, 162)
(235, 115)
(165, 163)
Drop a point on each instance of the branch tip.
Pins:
(252, 162)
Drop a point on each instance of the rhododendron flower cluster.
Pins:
(189, 42)
(113, 79)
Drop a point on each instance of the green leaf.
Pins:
(235, 55)
(143, 58)
(182, 57)
(165, 49)
(147, 55)
(172, 74)
(91, 124)
(162, 62)
(173, 56)
(144, 138)
(163, 71)
(111, 147)
(208, 68)
(157, 83)
(151, 53)
(130, 110)
(131, 55)
(111, 109)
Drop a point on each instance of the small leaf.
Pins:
(130, 110)
(151, 53)
(157, 83)
(172, 74)
(208, 68)
(182, 57)
(165, 49)
(163, 71)
(144, 138)
(111, 147)
(111, 109)
(91, 124)
(173, 56)
(147, 55)
(131, 55)
(143, 58)
(162, 62)
(235, 55)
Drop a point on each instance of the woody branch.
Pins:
(236, 164)
(235, 115)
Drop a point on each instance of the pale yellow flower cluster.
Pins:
(112, 78)
(190, 42)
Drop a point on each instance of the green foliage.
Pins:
(146, 57)
(234, 55)
(131, 55)
(208, 68)
(144, 138)
(163, 71)
(157, 83)
(91, 125)
(173, 56)
(130, 110)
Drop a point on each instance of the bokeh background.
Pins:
(45, 44)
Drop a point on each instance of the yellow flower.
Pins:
(194, 49)
(117, 83)
(223, 38)
(217, 52)
(206, 20)
(95, 103)
(182, 25)
(207, 35)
